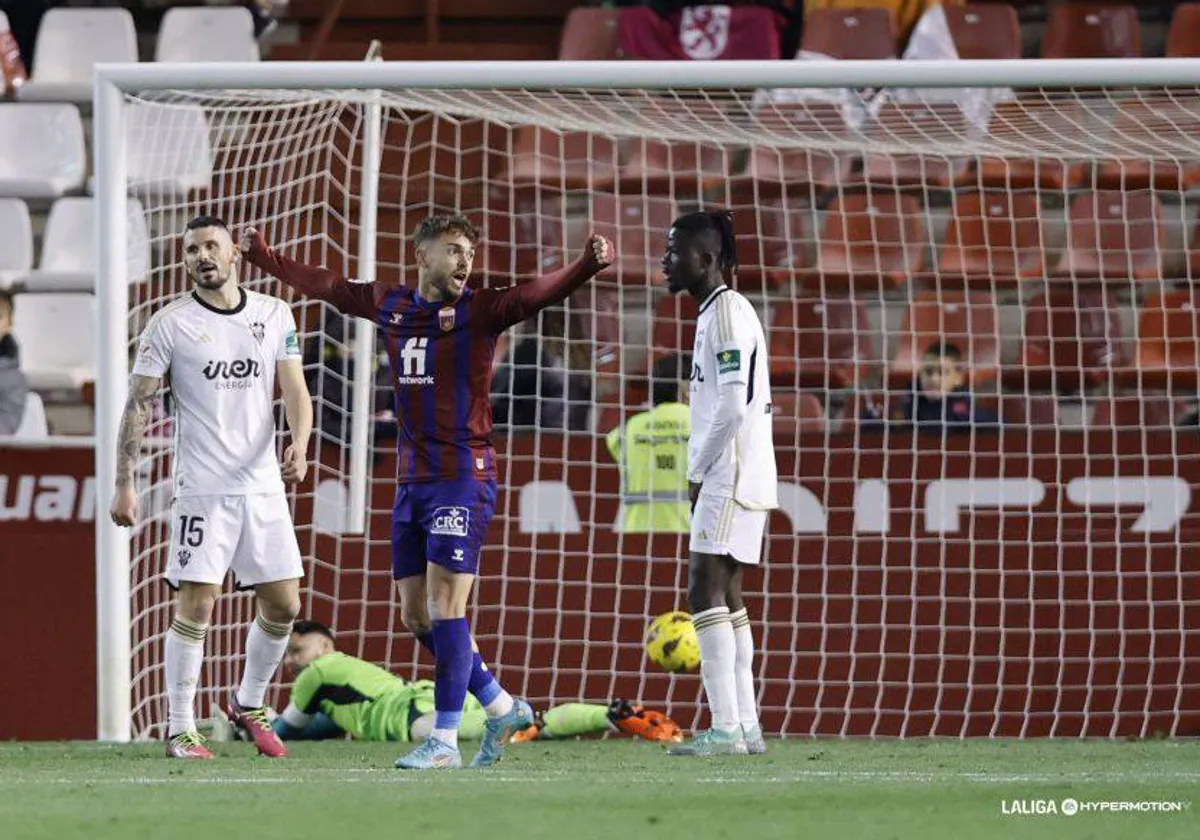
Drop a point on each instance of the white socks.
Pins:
(184, 655)
(446, 736)
(501, 705)
(265, 646)
(718, 653)
(743, 669)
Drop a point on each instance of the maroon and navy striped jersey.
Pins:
(441, 355)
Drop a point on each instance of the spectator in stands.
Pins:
(543, 384)
(24, 18)
(14, 390)
(940, 399)
(263, 12)
(651, 449)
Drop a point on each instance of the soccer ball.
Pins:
(672, 644)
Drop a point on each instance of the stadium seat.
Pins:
(1168, 342)
(869, 239)
(1019, 125)
(637, 226)
(1113, 236)
(68, 262)
(56, 332)
(16, 241)
(167, 149)
(985, 30)
(1035, 411)
(916, 126)
(968, 320)
(850, 34)
(772, 169)
(42, 152)
(794, 413)
(1092, 30)
(33, 420)
(1156, 139)
(674, 325)
(69, 43)
(820, 343)
(770, 243)
(1072, 341)
(590, 34)
(1183, 38)
(1141, 411)
(669, 168)
(206, 34)
(569, 161)
(994, 237)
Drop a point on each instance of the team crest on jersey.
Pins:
(258, 330)
(450, 521)
(185, 557)
(446, 318)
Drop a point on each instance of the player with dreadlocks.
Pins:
(731, 474)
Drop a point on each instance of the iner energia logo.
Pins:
(233, 375)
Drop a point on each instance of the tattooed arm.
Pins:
(129, 445)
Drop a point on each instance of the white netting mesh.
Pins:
(1029, 577)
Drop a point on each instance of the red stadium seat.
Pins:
(795, 413)
(1168, 344)
(820, 343)
(773, 169)
(917, 126)
(850, 33)
(663, 168)
(985, 30)
(590, 34)
(637, 226)
(1114, 236)
(770, 244)
(968, 320)
(1183, 38)
(1020, 124)
(1145, 412)
(1157, 140)
(1032, 410)
(569, 161)
(1092, 30)
(674, 325)
(870, 239)
(993, 238)
(1072, 341)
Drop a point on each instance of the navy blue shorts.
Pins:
(442, 522)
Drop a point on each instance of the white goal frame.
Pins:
(113, 81)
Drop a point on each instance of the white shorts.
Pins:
(253, 535)
(722, 526)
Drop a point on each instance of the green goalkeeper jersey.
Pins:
(363, 699)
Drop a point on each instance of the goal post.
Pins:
(845, 622)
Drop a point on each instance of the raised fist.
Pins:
(251, 240)
(600, 250)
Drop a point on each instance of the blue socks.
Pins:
(482, 685)
(452, 641)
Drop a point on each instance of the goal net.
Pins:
(983, 351)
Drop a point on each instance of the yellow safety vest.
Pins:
(652, 451)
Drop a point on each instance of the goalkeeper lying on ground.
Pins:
(336, 695)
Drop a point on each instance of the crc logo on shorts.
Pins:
(450, 522)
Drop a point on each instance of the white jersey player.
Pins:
(731, 475)
(222, 348)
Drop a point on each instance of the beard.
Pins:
(213, 280)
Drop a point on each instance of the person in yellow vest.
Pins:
(651, 450)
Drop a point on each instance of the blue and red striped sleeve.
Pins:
(500, 310)
(318, 282)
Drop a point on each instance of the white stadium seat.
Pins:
(56, 332)
(33, 421)
(68, 261)
(42, 152)
(69, 43)
(203, 34)
(167, 149)
(16, 240)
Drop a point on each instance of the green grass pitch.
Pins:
(615, 790)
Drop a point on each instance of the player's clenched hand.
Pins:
(600, 251)
(124, 510)
(251, 240)
(295, 465)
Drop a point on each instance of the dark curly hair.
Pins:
(433, 227)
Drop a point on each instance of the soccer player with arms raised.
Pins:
(731, 474)
(441, 340)
(223, 349)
